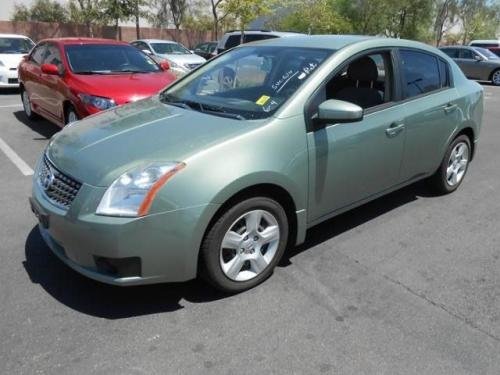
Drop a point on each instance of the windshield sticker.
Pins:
(270, 106)
(307, 69)
(280, 83)
(262, 100)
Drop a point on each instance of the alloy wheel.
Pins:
(249, 245)
(457, 164)
(496, 78)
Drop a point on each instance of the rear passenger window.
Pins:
(452, 52)
(444, 74)
(420, 73)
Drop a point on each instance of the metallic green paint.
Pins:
(325, 172)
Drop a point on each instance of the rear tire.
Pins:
(495, 77)
(453, 168)
(28, 108)
(244, 245)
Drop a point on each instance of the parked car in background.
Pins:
(68, 79)
(206, 50)
(233, 38)
(215, 180)
(476, 62)
(495, 43)
(181, 60)
(13, 48)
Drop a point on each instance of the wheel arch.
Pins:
(269, 190)
(493, 72)
(469, 132)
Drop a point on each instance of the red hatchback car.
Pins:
(67, 79)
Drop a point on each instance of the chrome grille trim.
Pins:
(59, 188)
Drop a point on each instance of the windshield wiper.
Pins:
(88, 72)
(221, 113)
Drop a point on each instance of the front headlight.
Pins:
(97, 101)
(133, 192)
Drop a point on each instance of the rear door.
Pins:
(431, 111)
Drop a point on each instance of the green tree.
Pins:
(41, 11)
(479, 19)
(245, 11)
(314, 17)
(86, 12)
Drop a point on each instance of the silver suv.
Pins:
(233, 38)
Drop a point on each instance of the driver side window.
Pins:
(367, 81)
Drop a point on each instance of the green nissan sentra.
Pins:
(221, 171)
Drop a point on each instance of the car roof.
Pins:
(485, 41)
(333, 42)
(14, 36)
(67, 41)
(155, 41)
(265, 32)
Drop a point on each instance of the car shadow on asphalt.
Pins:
(358, 216)
(41, 126)
(106, 301)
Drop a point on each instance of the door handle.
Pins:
(395, 129)
(448, 108)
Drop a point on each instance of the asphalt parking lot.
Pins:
(408, 284)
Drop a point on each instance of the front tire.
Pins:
(495, 78)
(454, 166)
(70, 115)
(244, 245)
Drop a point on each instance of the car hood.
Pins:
(184, 59)
(124, 88)
(98, 149)
(11, 60)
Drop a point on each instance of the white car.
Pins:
(12, 49)
(181, 60)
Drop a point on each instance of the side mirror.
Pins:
(164, 65)
(146, 51)
(50, 69)
(332, 111)
(478, 58)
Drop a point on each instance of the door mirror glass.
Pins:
(334, 110)
(478, 58)
(50, 69)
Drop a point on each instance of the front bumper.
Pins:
(165, 245)
(8, 78)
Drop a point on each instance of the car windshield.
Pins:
(108, 59)
(169, 48)
(15, 45)
(246, 83)
(486, 53)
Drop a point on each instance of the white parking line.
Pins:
(11, 106)
(15, 158)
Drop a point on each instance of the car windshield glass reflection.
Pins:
(169, 48)
(247, 83)
(106, 59)
(15, 45)
(486, 53)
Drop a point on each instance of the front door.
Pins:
(350, 162)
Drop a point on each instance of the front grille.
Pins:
(59, 188)
(193, 66)
(13, 80)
